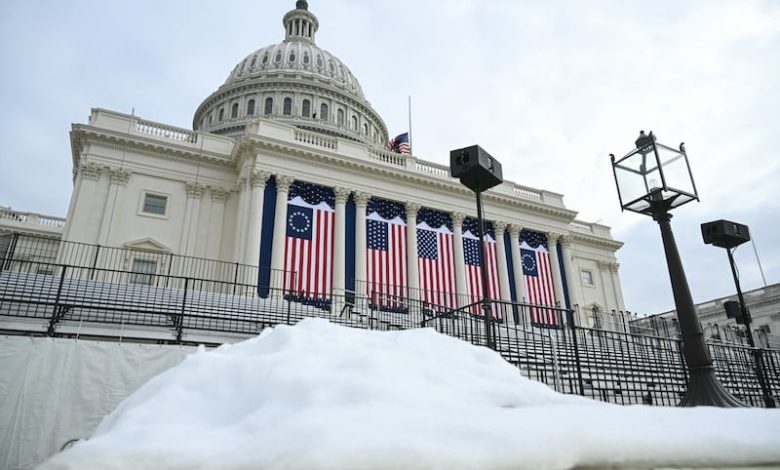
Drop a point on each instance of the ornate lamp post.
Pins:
(653, 179)
(478, 171)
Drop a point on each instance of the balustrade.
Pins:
(166, 132)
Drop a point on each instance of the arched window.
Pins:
(319, 61)
(278, 58)
(287, 110)
(306, 108)
(354, 122)
(221, 114)
(250, 108)
(324, 112)
(254, 61)
(234, 111)
(365, 129)
(292, 56)
(265, 58)
(340, 117)
(269, 105)
(306, 58)
(211, 118)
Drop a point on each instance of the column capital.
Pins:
(514, 231)
(195, 190)
(342, 194)
(219, 194)
(500, 228)
(119, 176)
(565, 241)
(259, 178)
(90, 170)
(458, 218)
(412, 208)
(609, 266)
(361, 199)
(283, 183)
(552, 237)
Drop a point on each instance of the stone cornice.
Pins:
(281, 149)
(82, 134)
(599, 242)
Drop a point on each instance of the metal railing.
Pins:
(39, 293)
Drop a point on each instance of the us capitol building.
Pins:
(291, 128)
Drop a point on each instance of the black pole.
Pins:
(704, 388)
(483, 268)
(759, 360)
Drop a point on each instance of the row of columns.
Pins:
(248, 237)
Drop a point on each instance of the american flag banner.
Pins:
(538, 278)
(308, 251)
(400, 144)
(386, 254)
(435, 254)
(473, 268)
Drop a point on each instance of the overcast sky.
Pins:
(548, 88)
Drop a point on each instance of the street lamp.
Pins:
(478, 171)
(729, 235)
(653, 179)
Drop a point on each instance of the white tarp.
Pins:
(53, 390)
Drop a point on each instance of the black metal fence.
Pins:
(62, 289)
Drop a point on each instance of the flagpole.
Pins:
(410, 125)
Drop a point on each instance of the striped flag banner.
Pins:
(538, 278)
(474, 271)
(386, 254)
(308, 258)
(435, 259)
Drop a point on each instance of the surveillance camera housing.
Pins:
(476, 169)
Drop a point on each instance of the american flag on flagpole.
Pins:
(473, 268)
(538, 278)
(435, 258)
(400, 144)
(386, 254)
(308, 252)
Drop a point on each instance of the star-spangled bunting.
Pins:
(473, 268)
(386, 262)
(538, 278)
(435, 259)
(308, 257)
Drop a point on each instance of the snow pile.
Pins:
(321, 396)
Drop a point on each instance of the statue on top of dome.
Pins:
(302, 5)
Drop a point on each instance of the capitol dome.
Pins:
(295, 82)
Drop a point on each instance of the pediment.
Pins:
(147, 244)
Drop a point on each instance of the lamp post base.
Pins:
(704, 389)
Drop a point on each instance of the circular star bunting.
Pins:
(299, 222)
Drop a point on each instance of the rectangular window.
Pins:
(155, 204)
(143, 271)
(587, 277)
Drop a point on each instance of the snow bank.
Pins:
(321, 396)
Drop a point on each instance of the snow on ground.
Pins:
(317, 395)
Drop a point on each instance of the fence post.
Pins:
(9, 255)
(574, 342)
(180, 322)
(56, 315)
(94, 263)
(235, 279)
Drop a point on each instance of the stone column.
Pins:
(119, 178)
(239, 236)
(218, 198)
(460, 259)
(280, 230)
(572, 278)
(86, 180)
(503, 272)
(413, 277)
(517, 262)
(361, 202)
(189, 232)
(340, 241)
(255, 218)
(621, 305)
(552, 244)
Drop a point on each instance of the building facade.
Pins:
(286, 169)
